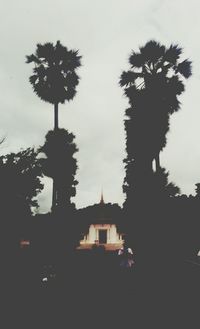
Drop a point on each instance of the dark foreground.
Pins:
(93, 292)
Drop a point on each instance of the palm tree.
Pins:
(54, 77)
(153, 86)
(154, 83)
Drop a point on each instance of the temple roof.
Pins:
(102, 199)
(101, 212)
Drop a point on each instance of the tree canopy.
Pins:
(59, 163)
(153, 86)
(54, 78)
(20, 175)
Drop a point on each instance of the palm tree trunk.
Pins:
(56, 116)
(157, 159)
(54, 197)
(54, 193)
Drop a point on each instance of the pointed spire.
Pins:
(101, 200)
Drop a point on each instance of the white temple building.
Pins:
(102, 227)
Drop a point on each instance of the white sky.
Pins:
(105, 32)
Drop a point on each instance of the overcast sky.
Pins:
(105, 32)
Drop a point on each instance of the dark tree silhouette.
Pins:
(54, 78)
(60, 164)
(152, 85)
(20, 179)
(20, 183)
(160, 187)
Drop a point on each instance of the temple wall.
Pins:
(93, 235)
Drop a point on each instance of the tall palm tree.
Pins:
(152, 85)
(54, 77)
(54, 80)
(155, 77)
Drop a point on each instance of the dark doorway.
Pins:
(102, 236)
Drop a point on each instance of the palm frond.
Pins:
(32, 58)
(172, 54)
(60, 52)
(71, 79)
(128, 78)
(175, 86)
(131, 92)
(45, 51)
(33, 79)
(152, 51)
(185, 68)
(70, 93)
(136, 60)
(76, 58)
